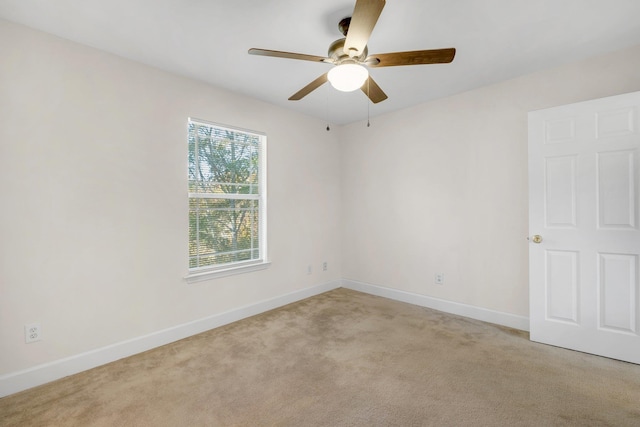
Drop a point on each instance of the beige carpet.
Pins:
(343, 359)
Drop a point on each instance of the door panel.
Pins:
(616, 192)
(560, 191)
(617, 286)
(583, 200)
(561, 286)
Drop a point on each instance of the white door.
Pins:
(584, 188)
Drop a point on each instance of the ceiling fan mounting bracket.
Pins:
(343, 25)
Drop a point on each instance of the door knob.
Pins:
(536, 238)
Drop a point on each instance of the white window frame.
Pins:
(199, 274)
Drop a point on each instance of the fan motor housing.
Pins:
(338, 55)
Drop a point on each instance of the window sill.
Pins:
(223, 272)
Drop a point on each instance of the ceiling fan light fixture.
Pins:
(348, 77)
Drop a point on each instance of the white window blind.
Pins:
(227, 197)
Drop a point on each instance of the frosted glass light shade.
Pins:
(348, 77)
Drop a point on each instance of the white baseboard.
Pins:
(41, 374)
(478, 313)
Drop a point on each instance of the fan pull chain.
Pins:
(328, 128)
(368, 100)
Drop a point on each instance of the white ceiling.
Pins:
(208, 40)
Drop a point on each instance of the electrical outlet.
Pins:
(325, 266)
(32, 332)
(439, 279)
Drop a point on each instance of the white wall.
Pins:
(442, 187)
(93, 193)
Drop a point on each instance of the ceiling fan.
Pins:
(350, 55)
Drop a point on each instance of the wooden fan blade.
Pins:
(373, 91)
(309, 88)
(289, 55)
(416, 57)
(364, 18)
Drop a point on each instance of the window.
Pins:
(227, 200)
